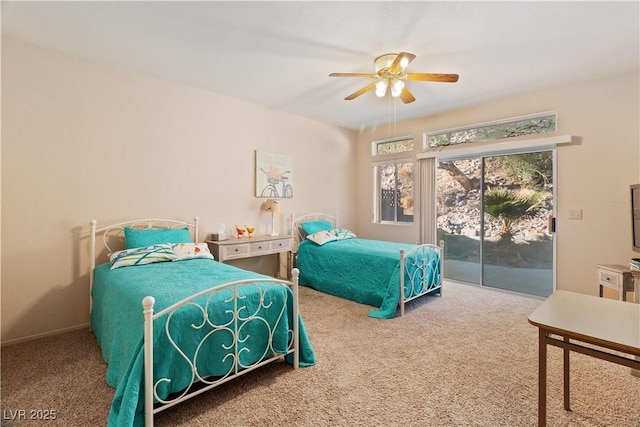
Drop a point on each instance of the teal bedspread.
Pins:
(118, 324)
(362, 270)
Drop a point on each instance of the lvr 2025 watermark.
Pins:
(29, 414)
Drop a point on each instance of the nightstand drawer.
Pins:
(610, 279)
(235, 251)
(282, 245)
(618, 277)
(258, 247)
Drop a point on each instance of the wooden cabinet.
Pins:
(248, 247)
(615, 276)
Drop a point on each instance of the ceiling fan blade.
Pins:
(427, 77)
(352, 75)
(361, 91)
(402, 60)
(406, 96)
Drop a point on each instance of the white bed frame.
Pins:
(404, 257)
(113, 235)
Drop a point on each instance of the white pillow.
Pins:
(322, 237)
(343, 233)
(141, 256)
(184, 251)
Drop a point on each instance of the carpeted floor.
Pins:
(468, 358)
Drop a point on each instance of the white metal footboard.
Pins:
(419, 265)
(237, 320)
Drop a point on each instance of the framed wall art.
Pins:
(274, 175)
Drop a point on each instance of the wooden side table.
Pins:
(618, 277)
(248, 247)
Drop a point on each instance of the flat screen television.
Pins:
(635, 216)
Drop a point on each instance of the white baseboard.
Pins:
(44, 334)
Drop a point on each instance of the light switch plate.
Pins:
(575, 213)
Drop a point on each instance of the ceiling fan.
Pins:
(390, 76)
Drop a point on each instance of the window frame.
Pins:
(378, 143)
(377, 199)
(379, 160)
(495, 123)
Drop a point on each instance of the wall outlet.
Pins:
(575, 213)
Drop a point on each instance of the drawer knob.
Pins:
(236, 249)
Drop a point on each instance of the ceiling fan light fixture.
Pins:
(396, 87)
(390, 77)
(381, 87)
(384, 61)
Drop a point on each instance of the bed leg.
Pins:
(441, 265)
(296, 322)
(401, 282)
(92, 265)
(147, 304)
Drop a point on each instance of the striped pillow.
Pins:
(141, 256)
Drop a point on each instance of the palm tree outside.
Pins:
(511, 206)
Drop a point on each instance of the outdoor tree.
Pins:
(509, 207)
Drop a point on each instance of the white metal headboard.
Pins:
(115, 232)
(296, 231)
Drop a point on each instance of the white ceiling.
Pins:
(279, 54)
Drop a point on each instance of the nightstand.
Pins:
(248, 247)
(615, 276)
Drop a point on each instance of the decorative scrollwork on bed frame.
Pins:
(234, 326)
(417, 260)
(238, 318)
(297, 232)
(114, 234)
(420, 272)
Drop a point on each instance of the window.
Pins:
(393, 179)
(392, 146)
(394, 191)
(509, 128)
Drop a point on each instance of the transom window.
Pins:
(509, 128)
(392, 146)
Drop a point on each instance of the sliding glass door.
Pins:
(459, 218)
(494, 214)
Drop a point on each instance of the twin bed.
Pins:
(377, 273)
(212, 321)
(172, 322)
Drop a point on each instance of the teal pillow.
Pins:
(134, 238)
(311, 227)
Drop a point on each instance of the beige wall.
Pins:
(593, 174)
(81, 140)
